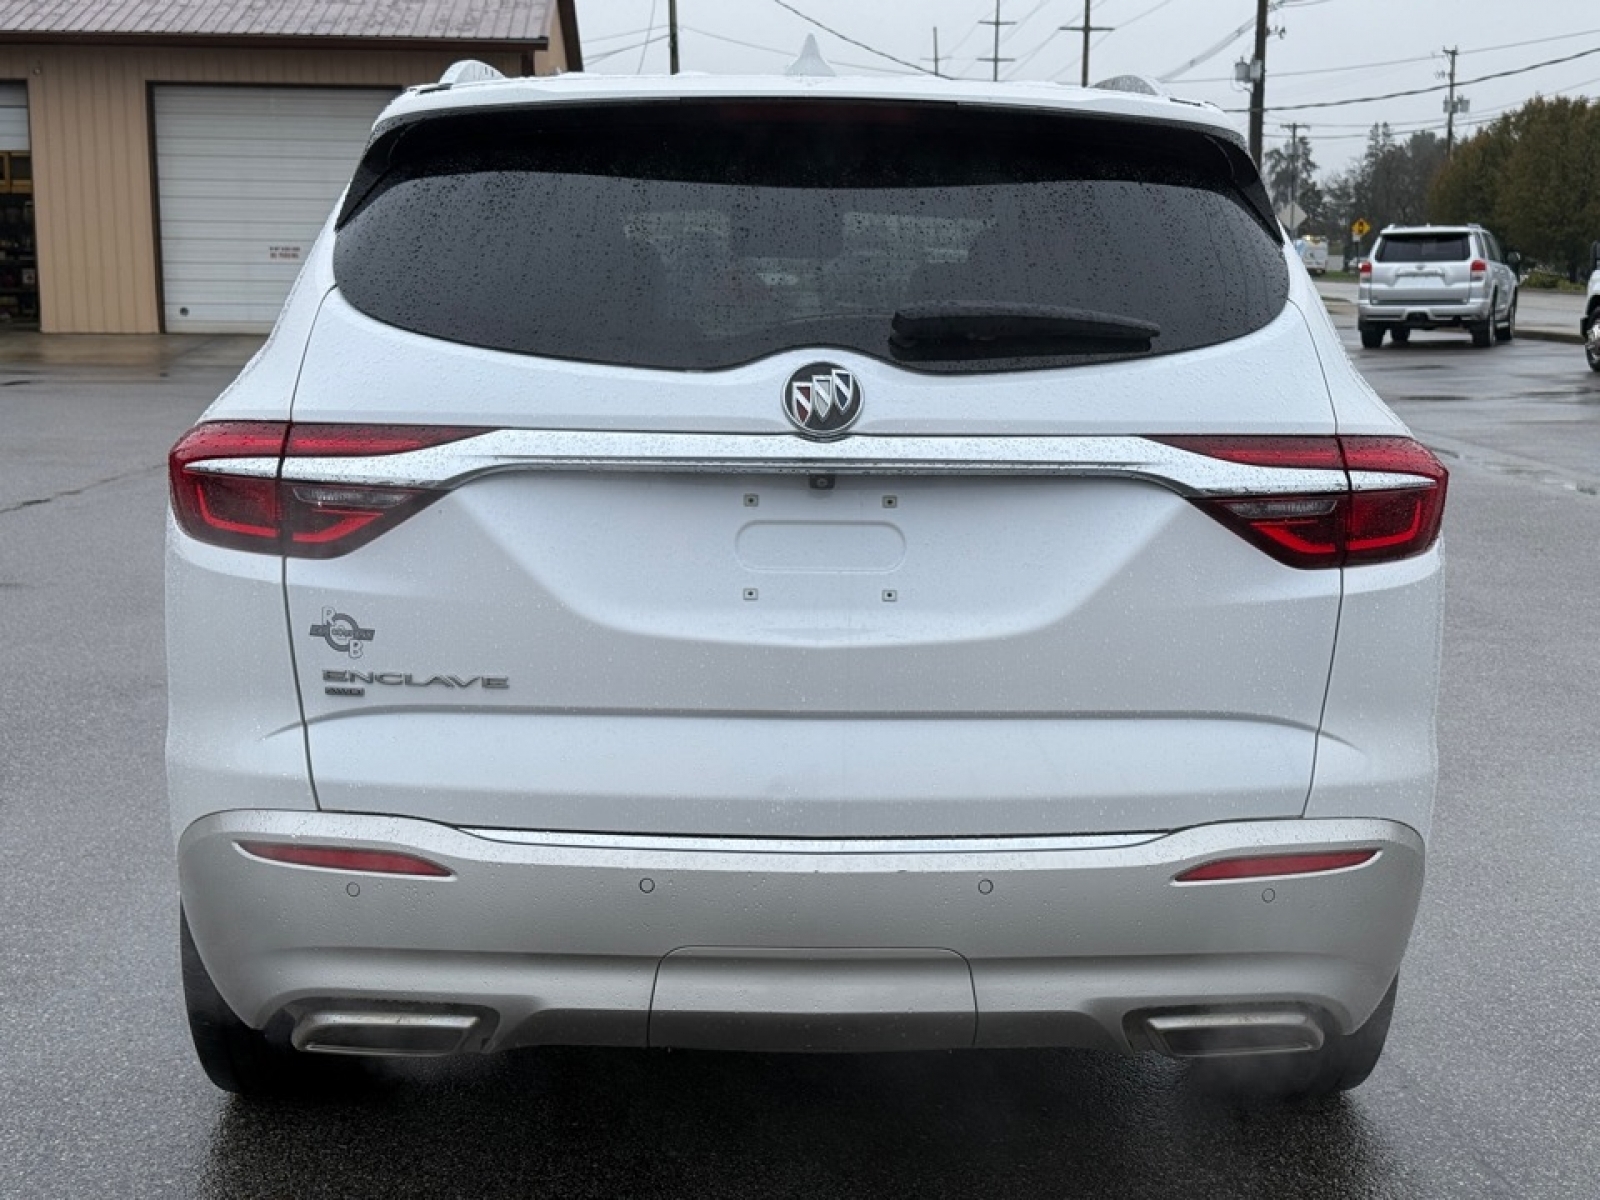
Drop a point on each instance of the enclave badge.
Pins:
(822, 400)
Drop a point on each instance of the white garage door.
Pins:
(245, 179)
(13, 116)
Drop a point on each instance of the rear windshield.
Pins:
(702, 235)
(1424, 247)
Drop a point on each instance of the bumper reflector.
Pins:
(1270, 866)
(345, 858)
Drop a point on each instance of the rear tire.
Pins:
(238, 1059)
(1591, 340)
(1483, 335)
(1372, 336)
(1507, 331)
(1344, 1062)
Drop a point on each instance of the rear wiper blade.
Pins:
(1006, 330)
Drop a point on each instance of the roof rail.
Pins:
(1141, 85)
(468, 70)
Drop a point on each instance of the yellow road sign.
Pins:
(1360, 229)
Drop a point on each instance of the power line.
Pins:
(648, 34)
(1401, 62)
(1392, 62)
(1141, 16)
(1482, 118)
(649, 41)
(789, 53)
(611, 37)
(1021, 21)
(1408, 127)
(1027, 58)
(1272, 7)
(1207, 55)
(1099, 41)
(844, 37)
(961, 41)
(1564, 37)
(1438, 87)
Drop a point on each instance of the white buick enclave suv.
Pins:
(808, 564)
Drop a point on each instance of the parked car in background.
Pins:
(1313, 252)
(1589, 327)
(804, 564)
(1436, 277)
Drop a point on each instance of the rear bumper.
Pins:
(598, 940)
(1426, 316)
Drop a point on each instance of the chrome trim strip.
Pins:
(1386, 481)
(244, 468)
(738, 845)
(455, 463)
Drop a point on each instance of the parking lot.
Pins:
(1487, 1088)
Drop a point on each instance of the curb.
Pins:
(1532, 334)
(1548, 335)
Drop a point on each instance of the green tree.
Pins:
(1533, 176)
(1389, 186)
(1546, 203)
(1291, 176)
(1467, 187)
(1340, 207)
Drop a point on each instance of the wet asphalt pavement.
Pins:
(1489, 1086)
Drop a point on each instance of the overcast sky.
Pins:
(1330, 50)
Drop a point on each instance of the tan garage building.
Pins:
(164, 164)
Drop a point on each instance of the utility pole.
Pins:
(997, 22)
(1258, 87)
(1086, 29)
(672, 35)
(1452, 105)
(1294, 128)
(935, 51)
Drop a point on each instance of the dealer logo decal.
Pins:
(342, 632)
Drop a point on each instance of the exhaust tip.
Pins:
(1220, 1033)
(381, 1032)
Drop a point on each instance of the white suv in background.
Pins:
(814, 564)
(1589, 327)
(1436, 277)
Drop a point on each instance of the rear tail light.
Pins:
(345, 858)
(1366, 267)
(1479, 270)
(1273, 866)
(1389, 505)
(228, 488)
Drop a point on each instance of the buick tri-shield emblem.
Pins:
(822, 400)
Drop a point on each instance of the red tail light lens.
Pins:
(248, 505)
(1366, 266)
(1386, 524)
(1367, 519)
(1273, 866)
(345, 858)
(1479, 268)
